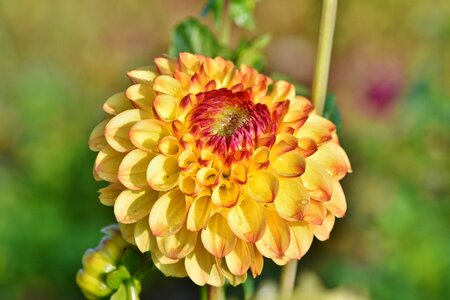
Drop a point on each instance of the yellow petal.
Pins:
(322, 231)
(142, 96)
(166, 107)
(225, 194)
(276, 238)
(97, 138)
(282, 90)
(109, 194)
(198, 264)
(299, 108)
(317, 132)
(187, 161)
(292, 200)
(199, 212)
(178, 245)
(162, 259)
(238, 260)
(188, 185)
(234, 280)
(176, 269)
(133, 169)
(217, 237)
(147, 134)
(317, 181)
(167, 85)
(165, 65)
(163, 173)
(216, 277)
(127, 232)
(168, 214)
(256, 260)
(189, 63)
(290, 164)
(334, 159)
(142, 75)
(132, 206)
(117, 103)
(262, 186)
(143, 236)
(337, 204)
(316, 212)
(285, 142)
(207, 176)
(107, 164)
(261, 155)
(185, 82)
(238, 172)
(117, 130)
(281, 261)
(301, 239)
(247, 220)
(169, 146)
(306, 146)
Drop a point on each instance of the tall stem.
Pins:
(216, 293)
(288, 274)
(225, 27)
(320, 81)
(319, 92)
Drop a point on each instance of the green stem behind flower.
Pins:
(287, 281)
(319, 92)
(320, 81)
(225, 26)
(216, 293)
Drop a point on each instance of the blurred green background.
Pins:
(59, 60)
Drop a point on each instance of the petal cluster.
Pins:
(213, 167)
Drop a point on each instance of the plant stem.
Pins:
(225, 27)
(319, 92)
(131, 291)
(288, 274)
(320, 81)
(216, 293)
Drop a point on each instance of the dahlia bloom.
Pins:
(213, 167)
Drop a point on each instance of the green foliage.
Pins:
(241, 12)
(331, 110)
(216, 8)
(250, 52)
(193, 36)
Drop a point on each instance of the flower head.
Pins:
(213, 167)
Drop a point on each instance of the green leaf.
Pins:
(132, 260)
(115, 278)
(241, 12)
(216, 8)
(331, 110)
(121, 293)
(250, 52)
(194, 37)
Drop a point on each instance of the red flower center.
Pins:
(228, 122)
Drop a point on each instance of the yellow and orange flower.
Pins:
(213, 167)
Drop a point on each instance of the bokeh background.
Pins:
(59, 60)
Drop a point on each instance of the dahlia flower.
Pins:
(213, 167)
